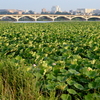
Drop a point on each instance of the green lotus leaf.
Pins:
(73, 71)
(71, 82)
(79, 86)
(92, 85)
(71, 91)
(66, 97)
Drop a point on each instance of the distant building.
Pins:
(96, 12)
(89, 11)
(2, 10)
(11, 11)
(80, 11)
(55, 9)
(43, 10)
(85, 11)
(72, 12)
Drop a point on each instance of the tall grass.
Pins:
(17, 84)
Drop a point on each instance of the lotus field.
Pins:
(50, 61)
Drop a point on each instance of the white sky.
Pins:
(37, 5)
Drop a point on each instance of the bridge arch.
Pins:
(61, 18)
(78, 18)
(94, 19)
(44, 18)
(8, 18)
(26, 18)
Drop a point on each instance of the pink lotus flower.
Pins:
(53, 63)
(89, 69)
(34, 65)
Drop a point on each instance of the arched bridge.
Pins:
(52, 17)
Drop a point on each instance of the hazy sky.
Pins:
(37, 5)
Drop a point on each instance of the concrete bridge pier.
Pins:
(35, 19)
(17, 19)
(86, 19)
(53, 19)
(70, 19)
